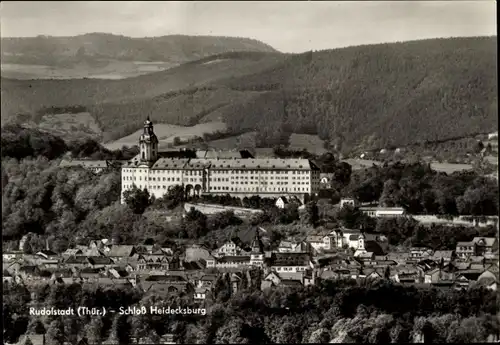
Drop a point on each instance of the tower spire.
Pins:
(148, 142)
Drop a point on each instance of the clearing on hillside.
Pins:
(450, 168)
(312, 143)
(243, 141)
(166, 134)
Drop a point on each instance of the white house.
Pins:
(281, 202)
(493, 135)
(326, 242)
(348, 202)
(285, 246)
(230, 248)
(350, 238)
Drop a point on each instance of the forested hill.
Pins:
(55, 51)
(365, 97)
(378, 95)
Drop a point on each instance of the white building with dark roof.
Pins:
(242, 177)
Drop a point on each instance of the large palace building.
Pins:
(234, 175)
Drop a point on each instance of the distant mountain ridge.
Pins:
(355, 98)
(89, 48)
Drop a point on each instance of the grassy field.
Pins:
(312, 143)
(243, 141)
(492, 159)
(114, 70)
(166, 134)
(358, 164)
(450, 168)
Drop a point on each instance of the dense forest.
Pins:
(366, 97)
(420, 190)
(337, 311)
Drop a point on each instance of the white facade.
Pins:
(348, 202)
(229, 249)
(380, 212)
(280, 203)
(238, 177)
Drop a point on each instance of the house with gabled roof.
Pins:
(90, 274)
(100, 261)
(419, 253)
(47, 254)
(230, 248)
(196, 252)
(120, 252)
(153, 262)
(285, 246)
(76, 262)
(72, 252)
(484, 245)
(445, 255)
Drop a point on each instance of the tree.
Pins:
(320, 336)
(93, 330)
(387, 272)
(120, 330)
(310, 215)
(35, 326)
(138, 200)
(390, 195)
(55, 333)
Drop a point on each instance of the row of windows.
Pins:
(254, 189)
(270, 183)
(227, 188)
(289, 269)
(278, 172)
(225, 172)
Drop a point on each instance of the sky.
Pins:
(287, 26)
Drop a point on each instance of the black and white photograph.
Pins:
(249, 172)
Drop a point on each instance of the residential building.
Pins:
(230, 248)
(120, 252)
(479, 246)
(419, 253)
(242, 177)
(290, 262)
(484, 245)
(326, 180)
(383, 212)
(285, 246)
(281, 202)
(370, 244)
(352, 202)
(228, 261)
(153, 262)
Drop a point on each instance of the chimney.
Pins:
(47, 244)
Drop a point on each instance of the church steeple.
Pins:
(148, 143)
(257, 245)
